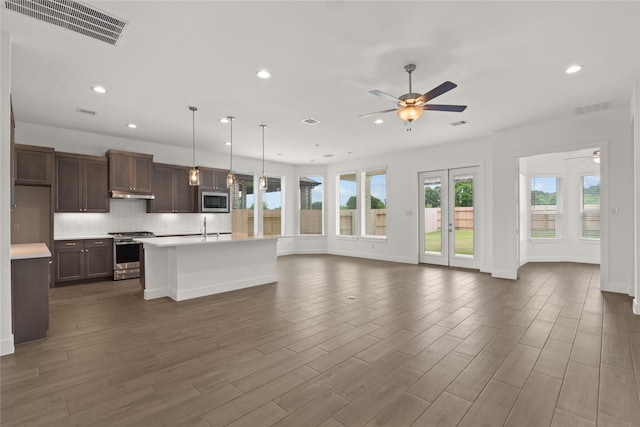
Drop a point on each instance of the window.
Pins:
(242, 206)
(311, 205)
(545, 212)
(590, 209)
(374, 203)
(273, 219)
(347, 205)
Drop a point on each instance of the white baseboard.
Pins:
(378, 257)
(636, 306)
(310, 252)
(504, 274)
(156, 293)
(6, 346)
(582, 260)
(619, 288)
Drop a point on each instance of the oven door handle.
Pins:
(127, 243)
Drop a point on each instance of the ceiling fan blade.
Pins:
(576, 158)
(437, 91)
(444, 107)
(377, 112)
(382, 94)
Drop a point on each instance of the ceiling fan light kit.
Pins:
(411, 105)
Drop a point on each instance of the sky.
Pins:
(378, 189)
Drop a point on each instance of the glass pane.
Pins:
(464, 215)
(242, 204)
(433, 215)
(272, 207)
(591, 207)
(347, 191)
(375, 203)
(544, 208)
(311, 204)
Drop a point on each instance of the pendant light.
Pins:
(194, 174)
(263, 178)
(231, 177)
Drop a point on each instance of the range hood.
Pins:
(125, 195)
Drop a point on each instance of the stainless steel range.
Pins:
(126, 254)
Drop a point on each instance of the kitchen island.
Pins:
(186, 267)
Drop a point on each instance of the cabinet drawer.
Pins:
(69, 244)
(97, 243)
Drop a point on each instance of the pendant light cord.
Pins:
(194, 137)
(231, 152)
(263, 126)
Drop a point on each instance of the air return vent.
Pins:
(72, 15)
(311, 121)
(594, 107)
(85, 111)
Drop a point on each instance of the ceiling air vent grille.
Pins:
(85, 111)
(311, 121)
(593, 108)
(459, 123)
(72, 15)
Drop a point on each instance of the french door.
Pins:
(448, 217)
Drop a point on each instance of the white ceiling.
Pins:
(508, 59)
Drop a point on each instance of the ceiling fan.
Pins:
(595, 157)
(411, 105)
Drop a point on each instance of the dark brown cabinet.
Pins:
(30, 299)
(83, 259)
(211, 179)
(172, 191)
(82, 183)
(33, 165)
(130, 172)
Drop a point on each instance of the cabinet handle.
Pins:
(98, 243)
(69, 244)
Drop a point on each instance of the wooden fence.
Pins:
(464, 218)
(242, 222)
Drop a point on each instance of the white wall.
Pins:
(570, 246)
(635, 109)
(609, 130)
(402, 243)
(6, 336)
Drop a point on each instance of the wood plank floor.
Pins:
(416, 345)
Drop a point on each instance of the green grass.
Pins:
(464, 242)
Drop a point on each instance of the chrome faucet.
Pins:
(204, 231)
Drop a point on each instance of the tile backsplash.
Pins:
(131, 215)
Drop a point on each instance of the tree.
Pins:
(464, 194)
(539, 197)
(432, 197)
(316, 206)
(375, 203)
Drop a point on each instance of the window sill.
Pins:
(588, 241)
(311, 236)
(346, 237)
(374, 238)
(554, 240)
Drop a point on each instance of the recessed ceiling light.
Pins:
(227, 143)
(99, 89)
(132, 126)
(378, 121)
(263, 74)
(573, 69)
(224, 120)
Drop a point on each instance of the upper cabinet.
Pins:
(130, 172)
(213, 179)
(82, 183)
(172, 191)
(33, 165)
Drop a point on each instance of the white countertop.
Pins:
(196, 240)
(85, 237)
(30, 250)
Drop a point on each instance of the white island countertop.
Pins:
(29, 250)
(196, 240)
(184, 267)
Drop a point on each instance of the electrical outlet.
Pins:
(16, 227)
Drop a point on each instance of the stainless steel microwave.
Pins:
(215, 201)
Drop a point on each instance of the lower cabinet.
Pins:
(83, 259)
(30, 299)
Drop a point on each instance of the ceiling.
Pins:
(508, 59)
